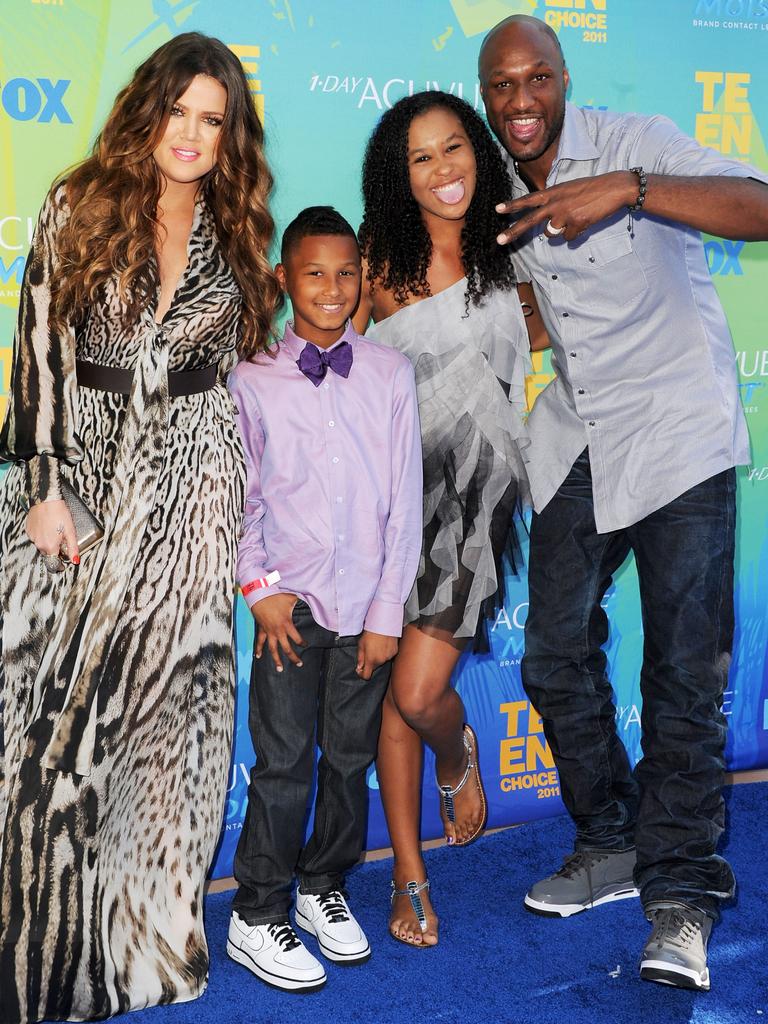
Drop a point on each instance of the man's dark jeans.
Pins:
(284, 709)
(671, 808)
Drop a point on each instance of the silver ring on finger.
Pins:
(552, 231)
(60, 528)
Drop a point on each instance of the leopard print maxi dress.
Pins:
(116, 678)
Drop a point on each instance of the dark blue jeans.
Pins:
(324, 701)
(671, 807)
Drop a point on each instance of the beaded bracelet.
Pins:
(638, 203)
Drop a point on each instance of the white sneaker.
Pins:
(330, 920)
(276, 954)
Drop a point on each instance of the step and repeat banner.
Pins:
(321, 73)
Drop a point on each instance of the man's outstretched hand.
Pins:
(574, 205)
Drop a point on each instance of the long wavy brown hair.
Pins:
(113, 195)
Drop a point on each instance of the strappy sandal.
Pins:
(413, 891)
(447, 793)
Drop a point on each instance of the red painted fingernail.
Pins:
(75, 559)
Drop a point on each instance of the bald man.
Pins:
(634, 446)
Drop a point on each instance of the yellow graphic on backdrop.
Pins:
(725, 122)
(247, 55)
(537, 379)
(167, 15)
(439, 41)
(590, 16)
(525, 759)
(477, 16)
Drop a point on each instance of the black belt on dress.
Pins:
(114, 378)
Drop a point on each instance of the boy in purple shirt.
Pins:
(328, 554)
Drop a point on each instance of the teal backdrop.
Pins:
(321, 73)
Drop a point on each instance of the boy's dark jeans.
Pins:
(671, 808)
(284, 709)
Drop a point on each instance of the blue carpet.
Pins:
(498, 963)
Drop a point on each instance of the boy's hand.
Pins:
(273, 616)
(374, 649)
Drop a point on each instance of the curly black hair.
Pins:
(393, 236)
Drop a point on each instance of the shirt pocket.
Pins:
(618, 276)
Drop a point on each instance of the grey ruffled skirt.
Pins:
(470, 378)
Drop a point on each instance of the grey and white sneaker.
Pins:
(275, 954)
(330, 920)
(676, 953)
(586, 879)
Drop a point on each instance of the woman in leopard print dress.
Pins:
(116, 674)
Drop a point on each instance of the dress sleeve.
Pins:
(39, 427)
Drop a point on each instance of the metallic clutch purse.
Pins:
(88, 529)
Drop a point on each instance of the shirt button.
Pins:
(554, 277)
(326, 385)
(341, 572)
(566, 314)
(591, 259)
(331, 423)
(580, 391)
(339, 499)
(591, 423)
(340, 536)
(572, 354)
(335, 459)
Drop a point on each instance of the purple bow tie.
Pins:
(314, 362)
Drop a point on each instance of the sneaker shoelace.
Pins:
(582, 860)
(332, 905)
(676, 928)
(284, 935)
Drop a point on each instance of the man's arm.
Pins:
(717, 204)
(687, 182)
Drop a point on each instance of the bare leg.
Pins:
(421, 705)
(398, 767)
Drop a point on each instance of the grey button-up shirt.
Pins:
(646, 374)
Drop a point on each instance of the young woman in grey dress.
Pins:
(441, 290)
(147, 276)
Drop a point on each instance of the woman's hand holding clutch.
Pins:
(51, 529)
